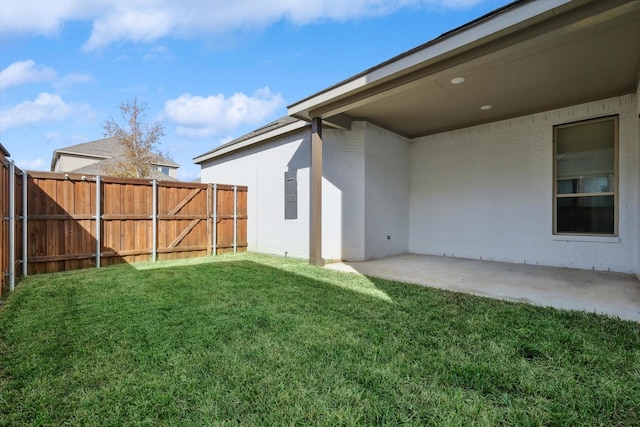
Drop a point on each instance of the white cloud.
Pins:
(151, 20)
(30, 165)
(72, 79)
(24, 72)
(46, 107)
(36, 16)
(199, 117)
(158, 52)
(129, 23)
(51, 137)
(28, 71)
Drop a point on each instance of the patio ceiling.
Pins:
(530, 57)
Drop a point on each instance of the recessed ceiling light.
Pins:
(486, 107)
(457, 80)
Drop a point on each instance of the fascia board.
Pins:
(56, 156)
(78, 154)
(291, 127)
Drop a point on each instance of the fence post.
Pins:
(215, 219)
(12, 225)
(98, 219)
(154, 222)
(24, 224)
(235, 219)
(209, 213)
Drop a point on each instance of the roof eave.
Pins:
(167, 163)
(54, 158)
(225, 149)
(506, 20)
(79, 154)
(4, 151)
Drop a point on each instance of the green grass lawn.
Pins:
(258, 340)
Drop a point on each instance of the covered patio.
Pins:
(612, 294)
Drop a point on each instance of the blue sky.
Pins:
(209, 71)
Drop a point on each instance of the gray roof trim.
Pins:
(274, 129)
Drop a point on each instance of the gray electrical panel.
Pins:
(290, 195)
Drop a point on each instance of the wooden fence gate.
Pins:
(230, 211)
(74, 221)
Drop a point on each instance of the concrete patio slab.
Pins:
(613, 294)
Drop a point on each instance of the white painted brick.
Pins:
(487, 192)
(343, 204)
(262, 168)
(386, 193)
(484, 191)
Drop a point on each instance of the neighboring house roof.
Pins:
(103, 150)
(99, 168)
(526, 57)
(4, 151)
(278, 127)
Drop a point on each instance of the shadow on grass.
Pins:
(362, 285)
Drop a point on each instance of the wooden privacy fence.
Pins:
(10, 230)
(75, 221)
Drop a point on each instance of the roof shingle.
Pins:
(106, 148)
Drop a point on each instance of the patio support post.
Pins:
(12, 225)
(315, 211)
(24, 223)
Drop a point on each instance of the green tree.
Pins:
(139, 141)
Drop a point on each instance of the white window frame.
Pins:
(614, 193)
